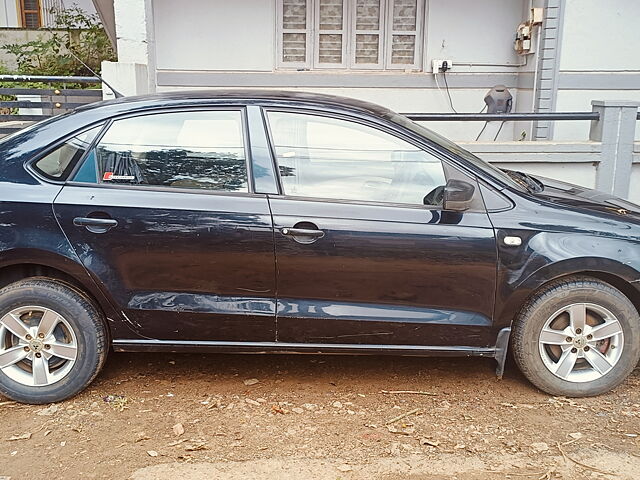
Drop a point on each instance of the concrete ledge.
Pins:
(176, 78)
(400, 79)
(537, 152)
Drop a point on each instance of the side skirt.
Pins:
(136, 345)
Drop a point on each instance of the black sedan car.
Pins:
(242, 221)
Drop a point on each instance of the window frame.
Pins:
(446, 163)
(162, 188)
(30, 165)
(385, 34)
(24, 12)
(417, 33)
(354, 32)
(280, 40)
(316, 32)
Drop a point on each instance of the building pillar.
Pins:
(548, 66)
(135, 71)
(616, 131)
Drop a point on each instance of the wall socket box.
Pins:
(436, 65)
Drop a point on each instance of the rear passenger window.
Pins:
(200, 150)
(58, 163)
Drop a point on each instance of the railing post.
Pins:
(616, 130)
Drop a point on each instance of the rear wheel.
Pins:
(577, 337)
(52, 341)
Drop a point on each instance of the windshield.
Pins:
(455, 149)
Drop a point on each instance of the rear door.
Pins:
(365, 254)
(162, 214)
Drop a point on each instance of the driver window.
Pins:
(325, 157)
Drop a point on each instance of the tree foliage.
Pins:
(75, 31)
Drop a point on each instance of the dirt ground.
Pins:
(159, 416)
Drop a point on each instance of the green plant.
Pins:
(75, 31)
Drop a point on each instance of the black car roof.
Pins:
(203, 97)
(23, 145)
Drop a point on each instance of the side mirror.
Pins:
(458, 195)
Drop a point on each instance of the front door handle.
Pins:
(302, 235)
(95, 225)
(302, 232)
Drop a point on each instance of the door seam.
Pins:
(275, 266)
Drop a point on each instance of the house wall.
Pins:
(17, 35)
(9, 16)
(598, 58)
(220, 44)
(240, 38)
(237, 39)
(10, 12)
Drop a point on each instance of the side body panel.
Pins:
(30, 235)
(559, 241)
(384, 275)
(179, 265)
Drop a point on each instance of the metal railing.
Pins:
(505, 117)
(21, 106)
(610, 148)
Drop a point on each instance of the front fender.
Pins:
(519, 279)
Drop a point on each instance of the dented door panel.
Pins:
(384, 275)
(179, 265)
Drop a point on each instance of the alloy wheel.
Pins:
(38, 347)
(581, 342)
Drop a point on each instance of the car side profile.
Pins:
(258, 221)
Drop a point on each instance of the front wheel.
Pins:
(577, 337)
(52, 341)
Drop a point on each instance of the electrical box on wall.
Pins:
(536, 16)
(441, 65)
(524, 33)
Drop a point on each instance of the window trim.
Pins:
(106, 123)
(385, 38)
(354, 32)
(280, 31)
(316, 32)
(362, 121)
(30, 164)
(417, 33)
(24, 12)
(245, 142)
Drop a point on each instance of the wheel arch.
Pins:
(66, 271)
(614, 273)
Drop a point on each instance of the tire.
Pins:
(58, 343)
(544, 357)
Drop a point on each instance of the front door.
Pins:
(161, 215)
(365, 254)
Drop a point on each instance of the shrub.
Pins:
(75, 31)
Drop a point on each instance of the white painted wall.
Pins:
(472, 31)
(239, 36)
(215, 35)
(580, 101)
(601, 38)
(9, 14)
(634, 193)
(86, 5)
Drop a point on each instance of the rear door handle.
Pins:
(94, 222)
(302, 232)
(95, 225)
